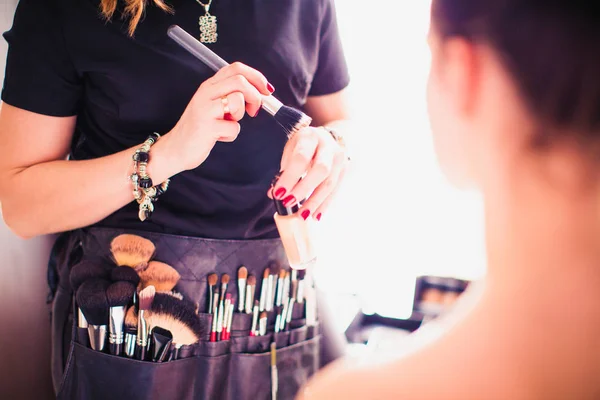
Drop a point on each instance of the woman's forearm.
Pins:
(61, 195)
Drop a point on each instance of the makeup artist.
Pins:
(514, 102)
(92, 80)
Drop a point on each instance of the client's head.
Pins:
(515, 83)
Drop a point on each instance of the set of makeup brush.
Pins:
(280, 292)
(133, 299)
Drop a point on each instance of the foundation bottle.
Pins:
(295, 235)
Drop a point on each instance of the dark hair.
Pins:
(550, 47)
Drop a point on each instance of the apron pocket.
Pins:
(250, 372)
(94, 375)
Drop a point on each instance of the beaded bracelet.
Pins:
(140, 180)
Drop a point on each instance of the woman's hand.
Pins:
(213, 113)
(316, 155)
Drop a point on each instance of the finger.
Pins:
(232, 104)
(253, 76)
(236, 83)
(324, 206)
(322, 166)
(323, 190)
(226, 131)
(301, 152)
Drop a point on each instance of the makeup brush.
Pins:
(280, 288)
(286, 286)
(212, 282)
(262, 323)
(160, 275)
(213, 330)
(242, 278)
(177, 316)
(119, 295)
(254, 328)
(271, 287)
(278, 319)
(125, 274)
(131, 320)
(91, 297)
(146, 298)
(161, 343)
(230, 320)
(225, 316)
(300, 291)
(88, 269)
(263, 289)
(250, 288)
(81, 272)
(290, 119)
(274, 372)
(132, 251)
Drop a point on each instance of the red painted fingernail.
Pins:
(270, 87)
(305, 214)
(279, 193)
(288, 201)
(228, 117)
(318, 217)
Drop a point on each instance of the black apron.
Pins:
(236, 369)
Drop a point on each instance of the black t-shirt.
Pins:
(64, 59)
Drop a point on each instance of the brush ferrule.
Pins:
(249, 297)
(269, 299)
(300, 292)
(263, 327)
(130, 339)
(241, 294)
(254, 320)
(271, 104)
(97, 335)
(263, 294)
(142, 332)
(117, 318)
(290, 310)
(81, 321)
(279, 298)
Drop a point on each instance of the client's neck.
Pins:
(543, 237)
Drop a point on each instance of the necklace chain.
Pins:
(205, 5)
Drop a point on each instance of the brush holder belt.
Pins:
(234, 369)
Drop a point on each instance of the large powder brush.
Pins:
(160, 275)
(132, 251)
(290, 119)
(88, 269)
(91, 298)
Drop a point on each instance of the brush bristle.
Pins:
(243, 273)
(282, 274)
(179, 312)
(146, 297)
(120, 293)
(160, 275)
(266, 273)
(91, 298)
(291, 120)
(212, 279)
(125, 274)
(301, 274)
(132, 251)
(263, 315)
(131, 318)
(88, 269)
(225, 279)
(251, 280)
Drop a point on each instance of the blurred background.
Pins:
(395, 219)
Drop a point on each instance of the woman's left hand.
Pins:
(316, 155)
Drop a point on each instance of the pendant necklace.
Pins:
(208, 24)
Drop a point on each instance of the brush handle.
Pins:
(269, 103)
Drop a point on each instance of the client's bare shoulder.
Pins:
(474, 358)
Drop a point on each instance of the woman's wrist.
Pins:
(164, 160)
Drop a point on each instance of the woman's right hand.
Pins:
(205, 122)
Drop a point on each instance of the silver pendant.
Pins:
(208, 28)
